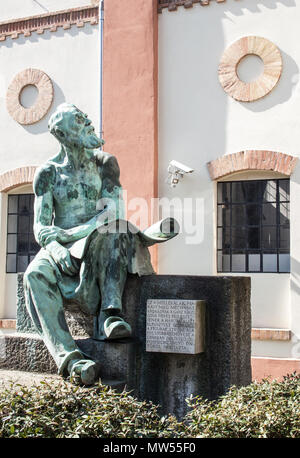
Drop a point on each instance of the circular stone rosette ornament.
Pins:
(42, 82)
(248, 92)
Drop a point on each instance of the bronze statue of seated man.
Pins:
(78, 262)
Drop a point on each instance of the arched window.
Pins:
(21, 246)
(17, 195)
(253, 226)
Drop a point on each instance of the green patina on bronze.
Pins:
(84, 256)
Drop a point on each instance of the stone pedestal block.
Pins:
(28, 352)
(164, 378)
(25, 352)
(167, 378)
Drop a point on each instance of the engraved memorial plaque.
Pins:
(175, 326)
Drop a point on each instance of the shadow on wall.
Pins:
(42, 126)
(295, 289)
(289, 78)
(59, 97)
(253, 6)
(35, 37)
(211, 113)
(189, 105)
(290, 75)
(295, 261)
(295, 276)
(193, 109)
(284, 89)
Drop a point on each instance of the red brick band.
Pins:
(7, 323)
(16, 177)
(252, 160)
(50, 21)
(270, 334)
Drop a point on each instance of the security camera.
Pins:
(180, 168)
(177, 171)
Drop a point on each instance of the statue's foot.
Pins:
(83, 371)
(114, 327)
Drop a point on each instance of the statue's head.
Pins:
(73, 128)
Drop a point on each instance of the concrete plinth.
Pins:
(169, 379)
(164, 378)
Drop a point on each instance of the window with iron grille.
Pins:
(253, 226)
(21, 246)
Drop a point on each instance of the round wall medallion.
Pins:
(248, 92)
(37, 78)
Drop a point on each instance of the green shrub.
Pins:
(66, 410)
(267, 409)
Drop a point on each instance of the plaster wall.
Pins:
(13, 9)
(71, 59)
(199, 122)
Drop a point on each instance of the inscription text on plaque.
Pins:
(175, 326)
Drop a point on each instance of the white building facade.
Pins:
(55, 47)
(199, 122)
(163, 100)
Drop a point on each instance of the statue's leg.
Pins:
(45, 306)
(112, 274)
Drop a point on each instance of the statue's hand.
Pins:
(49, 233)
(62, 257)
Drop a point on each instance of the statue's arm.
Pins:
(111, 192)
(78, 232)
(43, 204)
(45, 233)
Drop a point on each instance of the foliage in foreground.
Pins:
(266, 409)
(66, 410)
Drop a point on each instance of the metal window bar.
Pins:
(30, 251)
(261, 250)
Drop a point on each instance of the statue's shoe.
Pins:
(83, 371)
(115, 327)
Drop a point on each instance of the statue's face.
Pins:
(82, 131)
(76, 130)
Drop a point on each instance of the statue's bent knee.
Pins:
(40, 285)
(40, 272)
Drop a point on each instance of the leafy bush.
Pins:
(266, 409)
(66, 410)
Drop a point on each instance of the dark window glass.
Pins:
(253, 226)
(21, 244)
(24, 204)
(269, 214)
(253, 238)
(224, 193)
(238, 238)
(13, 204)
(252, 214)
(238, 215)
(269, 238)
